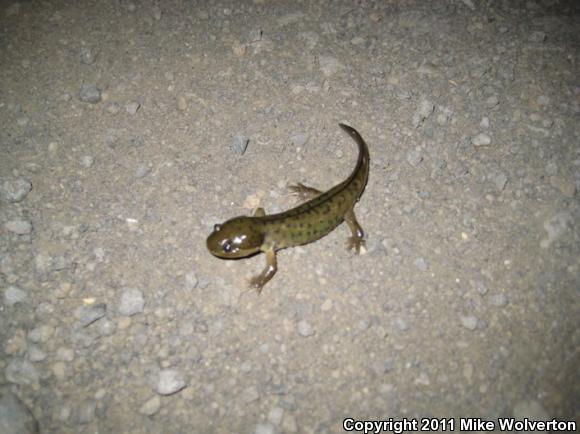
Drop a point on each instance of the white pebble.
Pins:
(131, 302)
(14, 295)
(498, 300)
(87, 161)
(469, 322)
(275, 415)
(251, 394)
(191, 280)
(170, 381)
(41, 334)
(481, 139)
(531, 410)
(305, 329)
(18, 227)
(151, 407)
(15, 190)
(21, 372)
(132, 107)
(35, 354)
(265, 428)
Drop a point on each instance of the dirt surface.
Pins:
(121, 124)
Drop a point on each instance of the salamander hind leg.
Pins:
(264, 277)
(303, 193)
(357, 240)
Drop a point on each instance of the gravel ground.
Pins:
(130, 128)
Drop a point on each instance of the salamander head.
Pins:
(236, 238)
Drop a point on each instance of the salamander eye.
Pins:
(227, 246)
(217, 228)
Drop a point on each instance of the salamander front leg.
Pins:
(304, 193)
(357, 240)
(264, 277)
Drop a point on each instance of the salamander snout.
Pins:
(236, 238)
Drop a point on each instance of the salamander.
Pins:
(322, 212)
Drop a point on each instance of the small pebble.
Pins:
(87, 161)
(498, 300)
(481, 139)
(421, 264)
(299, 139)
(106, 327)
(14, 295)
(265, 428)
(551, 168)
(305, 329)
(16, 189)
(492, 101)
(88, 56)
(113, 108)
(275, 415)
(423, 111)
(566, 186)
(89, 314)
(442, 119)
(170, 381)
(543, 100)
(191, 280)
(132, 107)
(90, 94)
(22, 121)
(423, 379)
(531, 410)
(156, 12)
(289, 424)
(41, 334)
(291, 18)
(402, 324)
(239, 144)
(469, 4)
(481, 287)
(35, 354)
(537, 37)
(61, 370)
(469, 322)
(86, 412)
(500, 180)
(15, 417)
(415, 156)
(330, 65)
(18, 227)
(22, 372)
(142, 170)
(326, 305)
(254, 35)
(250, 394)
(131, 302)
(388, 366)
(181, 103)
(485, 123)
(151, 407)
(65, 354)
(45, 309)
(468, 371)
(556, 227)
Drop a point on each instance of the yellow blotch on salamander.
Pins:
(320, 214)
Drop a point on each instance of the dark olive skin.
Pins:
(236, 238)
(320, 214)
